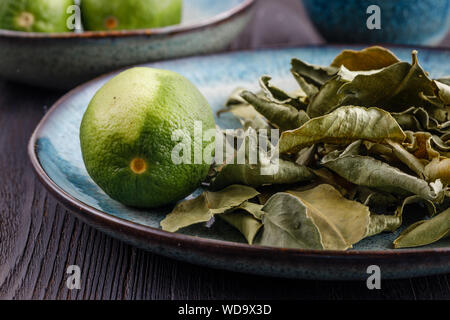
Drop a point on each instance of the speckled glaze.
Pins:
(423, 22)
(63, 60)
(55, 154)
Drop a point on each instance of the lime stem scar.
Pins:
(138, 165)
(111, 23)
(25, 19)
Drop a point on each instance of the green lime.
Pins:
(130, 14)
(35, 15)
(127, 137)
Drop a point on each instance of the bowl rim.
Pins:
(169, 30)
(120, 225)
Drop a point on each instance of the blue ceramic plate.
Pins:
(64, 60)
(55, 153)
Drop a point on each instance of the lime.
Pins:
(127, 137)
(35, 15)
(130, 14)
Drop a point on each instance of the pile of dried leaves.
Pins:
(360, 141)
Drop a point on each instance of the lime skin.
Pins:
(101, 15)
(35, 15)
(126, 137)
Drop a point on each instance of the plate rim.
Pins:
(169, 30)
(89, 213)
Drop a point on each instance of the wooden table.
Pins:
(39, 238)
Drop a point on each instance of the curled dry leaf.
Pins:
(341, 222)
(372, 173)
(245, 112)
(419, 145)
(316, 75)
(244, 223)
(285, 172)
(327, 99)
(205, 206)
(371, 58)
(308, 88)
(288, 224)
(285, 117)
(438, 169)
(425, 232)
(407, 158)
(343, 126)
(302, 219)
(275, 94)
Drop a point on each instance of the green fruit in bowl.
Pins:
(127, 138)
(35, 15)
(130, 14)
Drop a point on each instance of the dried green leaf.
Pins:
(407, 158)
(394, 88)
(341, 222)
(244, 222)
(343, 126)
(443, 92)
(288, 224)
(276, 95)
(371, 58)
(306, 156)
(310, 89)
(285, 172)
(302, 219)
(382, 223)
(419, 145)
(316, 75)
(284, 117)
(425, 232)
(417, 119)
(429, 205)
(327, 99)
(246, 113)
(372, 173)
(438, 169)
(205, 206)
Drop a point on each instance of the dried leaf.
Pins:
(438, 169)
(205, 206)
(419, 144)
(244, 222)
(284, 117)
(246, 113)
(327, 99)
(343, 126)
(316, 75)
(275, 94)
(372, 173)
(425, 232)
(285, 172)
(341, 222)
(371, 58)
(407, 158)
(394, 88)
(310, 89)
(288, 224)
(382, 223)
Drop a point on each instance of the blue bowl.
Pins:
(64, 60)
(419, 22)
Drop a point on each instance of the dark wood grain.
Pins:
(39, 238)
